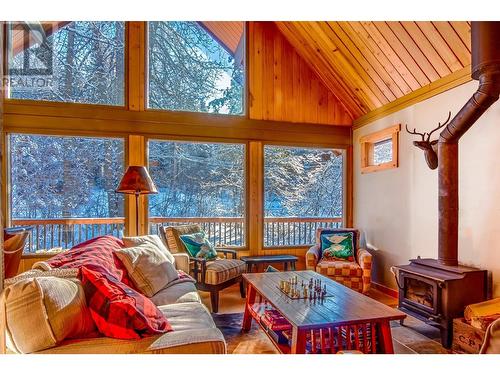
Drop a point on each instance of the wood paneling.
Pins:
(228, 33)
(283, 86)
(370, 65)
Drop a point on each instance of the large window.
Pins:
(200, 183)
(303, 190)
(64, 188)
(196, 66)
(80, 61)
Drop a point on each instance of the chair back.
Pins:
(13, 250)
(171, 236)
(355, 237)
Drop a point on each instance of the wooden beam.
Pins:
(71, 118)
(2, 182)
(136, 155)
(135, 57)
(255, 217)
(441, 85)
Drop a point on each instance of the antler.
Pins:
(439, 127)
(415, 132)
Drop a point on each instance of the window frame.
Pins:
(126, 79)
(367, 146)
(245, 96)
(346, 188)
(246, 175)
(6, 192)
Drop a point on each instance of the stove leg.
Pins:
(447, 333)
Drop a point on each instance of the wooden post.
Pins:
(2, 271)
(255, 222)
(136, 101)
(136, 155)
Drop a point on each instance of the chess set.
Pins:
(313, 291)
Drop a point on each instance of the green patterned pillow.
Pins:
(337, 246)
(198, 246)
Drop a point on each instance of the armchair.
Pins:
(210, 275)
(355, 274)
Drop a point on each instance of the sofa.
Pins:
(193, 329)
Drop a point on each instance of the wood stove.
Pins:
(437, 294)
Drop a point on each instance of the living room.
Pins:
(285, 186)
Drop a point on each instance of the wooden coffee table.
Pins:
(347, 320)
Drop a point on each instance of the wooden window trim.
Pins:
(367, 144)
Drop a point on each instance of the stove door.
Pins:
(419, 294)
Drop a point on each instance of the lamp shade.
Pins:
(136, 180)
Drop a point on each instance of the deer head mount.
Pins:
(429, 147)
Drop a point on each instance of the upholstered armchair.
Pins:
(210, 275)
(355, 274)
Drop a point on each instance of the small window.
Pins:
(196, 66)
(76, 62)
(379, 151)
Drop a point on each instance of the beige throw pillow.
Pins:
(41, 312)
(151, 239)
(148, 267)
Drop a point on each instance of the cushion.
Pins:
(337, 246)
(119, 311)
(41, 312)
(171, 236)
(64, 273)
(177, 293)
(198, 245)
(95, 254)
(221, 270)
(148, 267)
(149, 240)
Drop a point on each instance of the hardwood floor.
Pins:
(414, 337)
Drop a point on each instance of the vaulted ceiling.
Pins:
(370, 64)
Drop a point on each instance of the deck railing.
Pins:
(222, 231)
(66, 233)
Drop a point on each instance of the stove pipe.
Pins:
(486, 69)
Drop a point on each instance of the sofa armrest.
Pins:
(197, 341)
(365, 262)
(312, 257)
(182, 262)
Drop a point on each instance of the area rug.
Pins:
(414, 337)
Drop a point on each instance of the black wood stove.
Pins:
(437, 293)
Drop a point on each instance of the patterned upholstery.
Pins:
(221, 270)
(171, 236)
(355, 275)
(218, 271)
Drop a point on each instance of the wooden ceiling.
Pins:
(229, 33)
(370, 64)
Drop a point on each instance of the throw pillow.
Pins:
(151, 240)
(148, 267)
(119, 311)
(41, 312)
(96, 254)
(337, 246)
(198, 245)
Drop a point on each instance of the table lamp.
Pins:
(137, 181)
